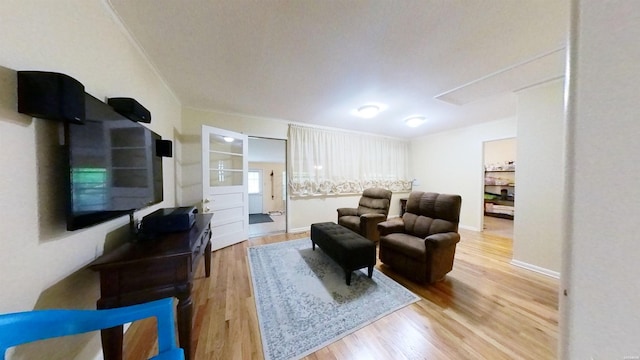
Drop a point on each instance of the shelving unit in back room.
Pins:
(499, 191)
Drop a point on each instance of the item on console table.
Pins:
(169, 220)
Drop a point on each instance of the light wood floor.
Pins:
(498, 227)
(279, 225)
(484, 309)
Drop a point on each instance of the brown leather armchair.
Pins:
(421, 245)
(373, 208)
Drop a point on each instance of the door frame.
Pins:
(285, 195)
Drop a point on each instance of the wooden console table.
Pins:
(138, 272)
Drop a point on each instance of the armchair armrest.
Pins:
(441, 240)
(368, 225)
(394, 225)
(347, 212)
(373, 217)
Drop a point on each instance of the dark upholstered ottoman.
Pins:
(350, 250)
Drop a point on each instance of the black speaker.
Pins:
(164, 148)
(130, 108)
(52, 96)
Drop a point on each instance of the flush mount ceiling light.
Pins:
(414, 121)
(368, 111)
(228, 139)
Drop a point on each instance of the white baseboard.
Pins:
(538, 269)
(301, 229)
(466, 227)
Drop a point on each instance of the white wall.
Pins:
(452, 162)
(267, 150)
(600, 313)
(42, 265)
(500, 151)
(540, 168)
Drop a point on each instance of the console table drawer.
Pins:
(145, 276)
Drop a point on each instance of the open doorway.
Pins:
(267, 186)
(499, 187)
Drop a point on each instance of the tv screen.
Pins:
(113, 166)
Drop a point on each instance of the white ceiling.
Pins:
(457, 62)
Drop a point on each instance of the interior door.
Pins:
(224, 185)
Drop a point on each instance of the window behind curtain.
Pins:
(332, 162)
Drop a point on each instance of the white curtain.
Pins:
(332, 162)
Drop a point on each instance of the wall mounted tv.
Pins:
(113, 166)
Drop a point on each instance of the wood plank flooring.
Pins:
(485, 308)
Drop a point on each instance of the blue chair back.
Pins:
(24, 327)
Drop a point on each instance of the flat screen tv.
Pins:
(113, 166)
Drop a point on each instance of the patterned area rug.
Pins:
(304, 304)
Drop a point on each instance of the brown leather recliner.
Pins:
(373, 208)
(421, 245)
